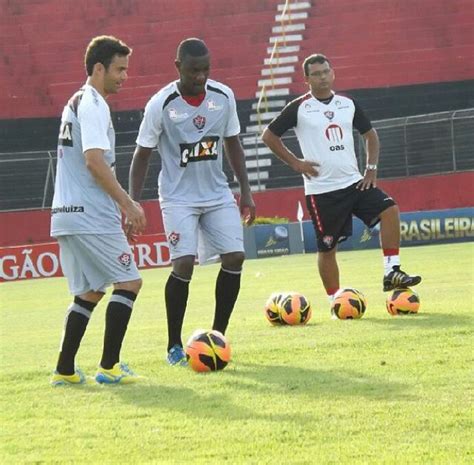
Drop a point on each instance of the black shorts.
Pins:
(332, 212)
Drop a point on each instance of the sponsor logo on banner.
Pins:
(42, 260)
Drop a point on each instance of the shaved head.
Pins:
(192, 47)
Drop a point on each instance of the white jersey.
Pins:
(80, 205)
(324, 132)
(189, 140)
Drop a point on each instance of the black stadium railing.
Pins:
(418, 145)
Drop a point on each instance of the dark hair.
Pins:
(192, 47)
(102, 49)
(315, 58)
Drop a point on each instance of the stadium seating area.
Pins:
(378, 44)
(371, 45)
(42, 64)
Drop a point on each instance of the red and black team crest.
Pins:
(329, 115)
(328, 240)
(199, 121)
(125, 259)
(173, 238)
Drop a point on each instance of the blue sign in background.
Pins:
(416, 228)
(272, 240)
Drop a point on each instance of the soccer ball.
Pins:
(403, 302)
(348, 304)
(288, 308)
(207, 351)
(272, 308)
(295, 309)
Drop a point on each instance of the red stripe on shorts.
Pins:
(314, 211)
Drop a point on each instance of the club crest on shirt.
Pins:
(328, 240)
(173, 238)
(329, 115)
(199, 121)
(125, 259)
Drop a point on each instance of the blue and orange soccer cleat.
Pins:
(68, 380)
(120, 373)
(177, 356)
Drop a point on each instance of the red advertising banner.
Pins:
(42, 260)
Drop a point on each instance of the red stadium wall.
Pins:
(414, 194)
(372, 44)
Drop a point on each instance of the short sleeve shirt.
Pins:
(324, 132)
(80, 205)
(189, 140)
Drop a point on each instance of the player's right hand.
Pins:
(305, 167)
(135, 220)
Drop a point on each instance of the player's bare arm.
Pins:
(138, 171)
(105, 178)
(236, 157)
(276, 145)
(372, 147)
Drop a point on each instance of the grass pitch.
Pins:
(379, 390)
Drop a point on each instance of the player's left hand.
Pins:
(247, 207)
(369, 181)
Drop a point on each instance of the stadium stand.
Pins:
(47, 39)
(400, 60)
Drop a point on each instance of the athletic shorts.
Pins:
(332, 212)
(207, 232)
(91, 262)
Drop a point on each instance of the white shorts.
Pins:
(207, 232)
(91, 262)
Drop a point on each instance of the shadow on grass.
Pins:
(319, 383)
(207, 405)
(424, 320)
(214, 395)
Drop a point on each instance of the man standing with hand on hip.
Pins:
(335, 189)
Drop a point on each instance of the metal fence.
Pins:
(417, 145)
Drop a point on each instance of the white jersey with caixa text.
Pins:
(80, 205)
(324, 132)
(189, 140)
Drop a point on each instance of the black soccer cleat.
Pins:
(399, 279)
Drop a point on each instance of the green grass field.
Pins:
(379, 390)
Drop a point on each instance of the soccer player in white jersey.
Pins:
(86, 218)
(335, 189)
(191, 121)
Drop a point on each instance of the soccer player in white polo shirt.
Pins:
(86, 218)
(191, 121)
(335, 189)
